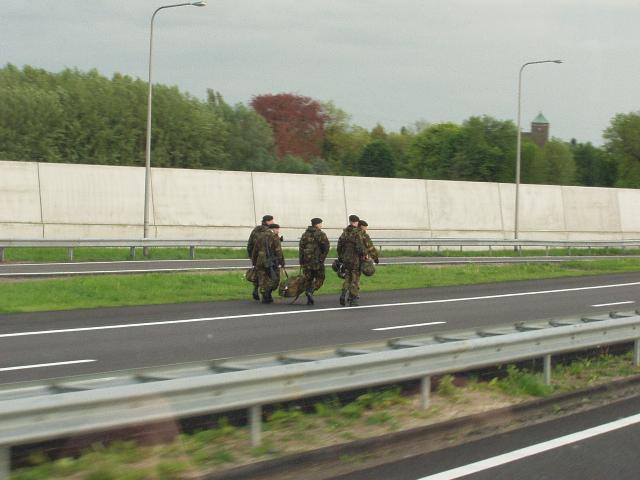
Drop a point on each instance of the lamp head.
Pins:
(201, 3)
(557, 61)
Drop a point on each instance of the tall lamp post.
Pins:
(520, 140)
(147, 164)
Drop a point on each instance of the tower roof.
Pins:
(540, 119)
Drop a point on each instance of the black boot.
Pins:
(267, 298)
(309, 294)
(342, 298)
(353, 301)
(256, 295)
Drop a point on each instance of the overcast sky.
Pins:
(392, 61)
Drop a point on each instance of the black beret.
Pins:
(354, 218)
(267, 218)
(316, 221)
(363, 223)
(274, 225)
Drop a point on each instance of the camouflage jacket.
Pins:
(267, 251)
(313, 247)
(351, 245)
(370, 250)
(252, 238)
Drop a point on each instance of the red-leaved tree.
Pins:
(297, 123)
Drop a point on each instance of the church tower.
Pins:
(539, 130)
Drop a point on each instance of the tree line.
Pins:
(85, 117)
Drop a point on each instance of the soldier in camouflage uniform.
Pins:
(312, 252)
(369, 248)
(268, 259)
(263, 227)
(351, 251)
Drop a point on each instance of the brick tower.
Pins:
(539, 130)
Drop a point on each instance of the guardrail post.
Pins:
(636, 353)
(547, 369)
(255, 421)
(546, 250)
(5, 462)
(425, 392)
(70, 254)
(132, 252)
(1, 254)
(490, 251)
(192, 252)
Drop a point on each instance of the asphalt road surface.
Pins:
(34, 270)
(53, 344)
(599, 444)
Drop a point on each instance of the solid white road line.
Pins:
(533, 449)
(615, 303)
(407, 326)
(115, 272)
(42, 365)
(319, 310)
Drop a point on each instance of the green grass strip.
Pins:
(146, 289)
(88, 254)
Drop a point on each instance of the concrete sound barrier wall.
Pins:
(42, 200)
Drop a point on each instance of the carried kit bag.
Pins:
(338, 267)
(251, 275)
(291, 287)
(367, 267)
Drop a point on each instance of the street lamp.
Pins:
(147, 173)
(520, 139)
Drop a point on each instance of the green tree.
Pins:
(343, 142)
(377, 160)
(84, 117)
(533, 164)
(623, 143)
(594, 167)
(486, 150)
(432, 150)
(250, 138)
(560, 166)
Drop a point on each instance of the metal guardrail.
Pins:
(437, 243)
(37, 411)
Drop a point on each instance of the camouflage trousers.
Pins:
(265, 281)
(313, 277)
(351, 282)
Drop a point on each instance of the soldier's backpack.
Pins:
(291, 287)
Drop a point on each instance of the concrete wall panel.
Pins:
(591, 210)
(27, 231)
(92, 194)
(388, 203)
(202, 198)
(541, 209)
(202, 233)
(85, 231)
(91, 201)
(294, 199)
(464, 206)
(629, 206)
(19, 195)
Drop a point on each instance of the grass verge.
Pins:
(87, 254)
(147, 289)
(330, 422)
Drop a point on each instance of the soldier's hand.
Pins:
(377, 260)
